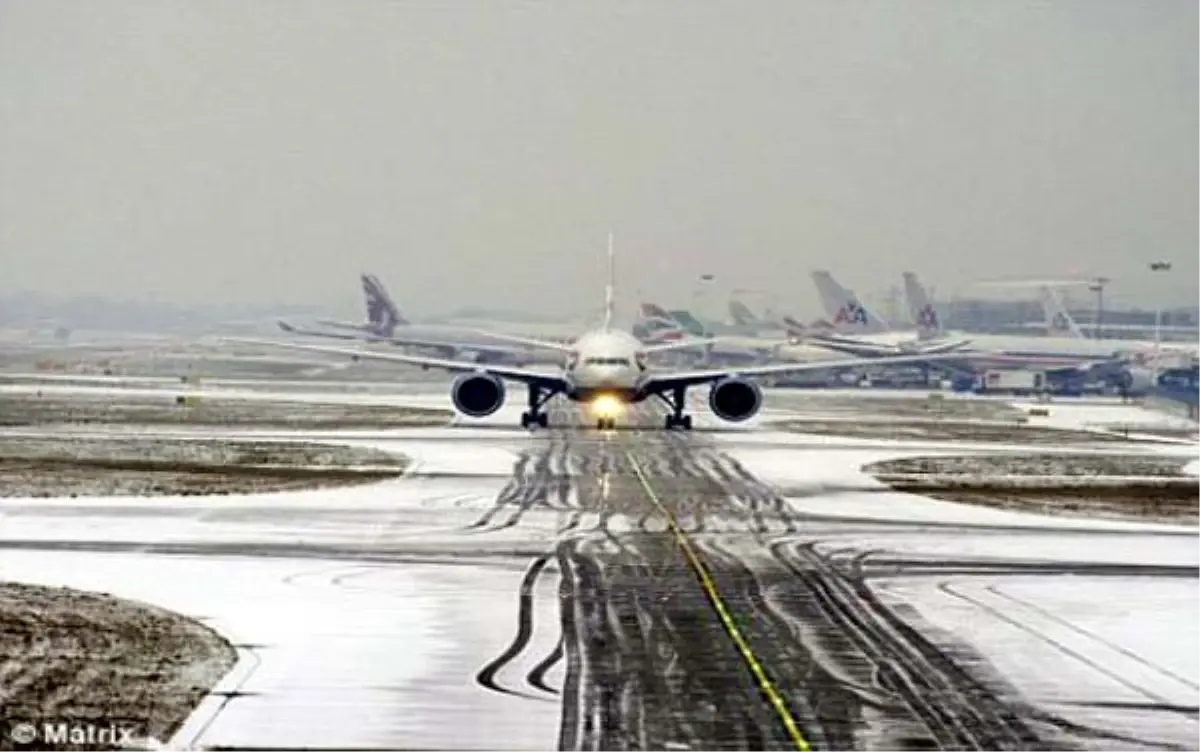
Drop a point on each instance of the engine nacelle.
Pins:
(477, 394)
(735, 399)
(1136, 381)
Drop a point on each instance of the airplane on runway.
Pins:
(386, 324)
(605, 368)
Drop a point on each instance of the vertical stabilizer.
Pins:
(920, 307)
(741, 314)
(846, 311)
(610, 288)
(1058, 322)
(382, 314)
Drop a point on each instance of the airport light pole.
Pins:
(1157, 266)
(1097, 286)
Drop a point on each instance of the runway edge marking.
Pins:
(765, 685)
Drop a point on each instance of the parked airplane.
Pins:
(850, 315)
(605, 368)
(1066, 353)
(725, 344)
(386, 324)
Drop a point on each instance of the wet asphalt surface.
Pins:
(649, 663)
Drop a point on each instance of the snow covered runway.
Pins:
(365, 615)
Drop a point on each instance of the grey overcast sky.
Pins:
(270, 150)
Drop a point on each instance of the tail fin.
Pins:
(654, 311)
(382, 315)
(794, 327)
(688, 322)
(610, 288)
(920, 307)
(1058, 322)
(741, 313)
(844, 308)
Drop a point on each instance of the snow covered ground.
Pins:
(1118, 654)
(344, 646)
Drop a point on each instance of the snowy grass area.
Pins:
(28, 406)
(1095, 485)
(1043, 467)
(67, 654)
(42, 467)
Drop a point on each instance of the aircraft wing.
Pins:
(363, 336)
(945, 347)
(526, 341)
(661, 382)
(343, 325)
(678, 345)
(293, 329)
(860, 349)
(545, 379)
(444, 344)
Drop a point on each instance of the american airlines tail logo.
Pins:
(851, 313)
(927, 317)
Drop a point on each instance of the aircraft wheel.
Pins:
(543, 420)
(687, 422)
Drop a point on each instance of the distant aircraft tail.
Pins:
(1058, 322)
(920, 307)
(653, 311)
(794, 327)
(382, 314)
(846, 311)
(741, 314)
(688, 322)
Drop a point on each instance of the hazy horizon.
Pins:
(480, 153)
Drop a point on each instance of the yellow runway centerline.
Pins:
(765, 684)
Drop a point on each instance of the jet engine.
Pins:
(1135, 381)
(735, 399)
(477, 394)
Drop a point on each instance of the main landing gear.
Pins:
(676, 401)
(534, 416)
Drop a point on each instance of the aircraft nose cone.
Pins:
(606, 376)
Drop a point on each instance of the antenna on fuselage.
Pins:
(609, 289)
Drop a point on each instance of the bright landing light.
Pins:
(607, 406)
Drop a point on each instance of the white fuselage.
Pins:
(605, 362)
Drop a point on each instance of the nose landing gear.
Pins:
(606, 424)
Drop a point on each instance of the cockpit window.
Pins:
(607, 362)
